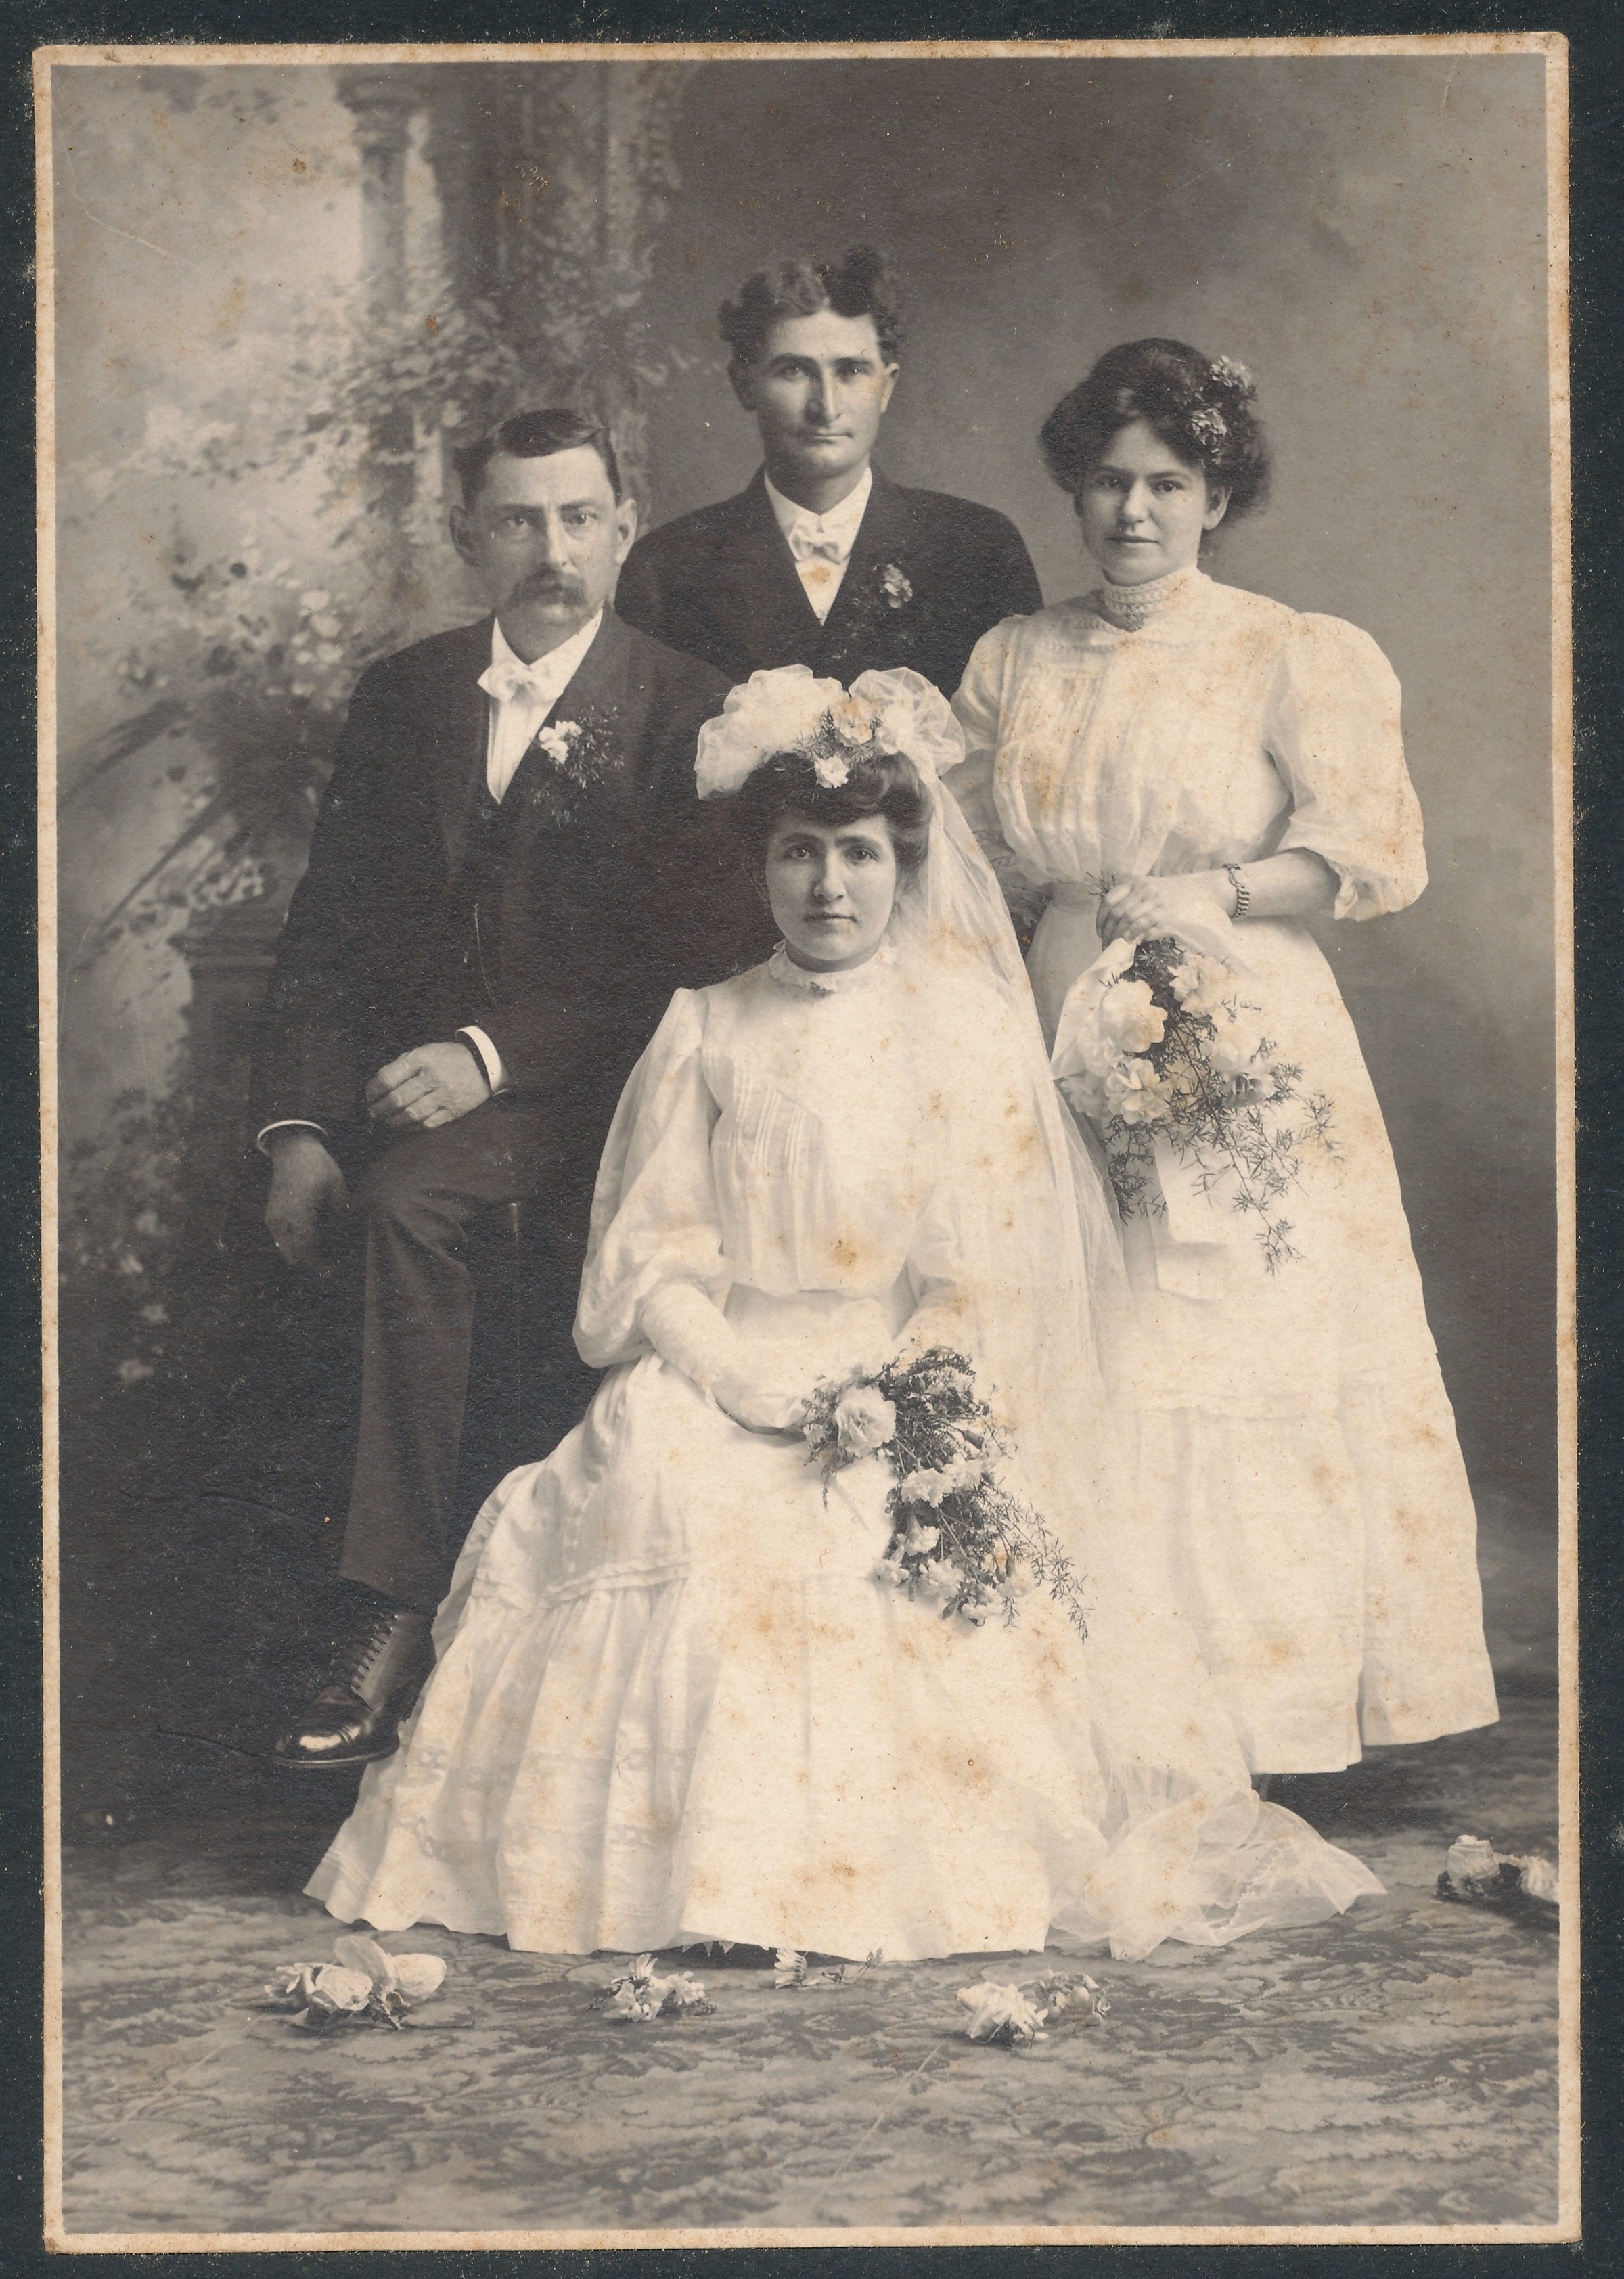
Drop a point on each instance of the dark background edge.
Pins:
(1594, 30)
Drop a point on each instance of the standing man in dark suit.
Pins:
(822, 560)
(508, 877)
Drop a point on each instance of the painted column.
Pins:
(383, 104)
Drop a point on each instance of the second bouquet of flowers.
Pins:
(1201, 1114)
(958, 1538)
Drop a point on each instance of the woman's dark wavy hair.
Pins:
(861, 286)
(1202, 408)
(884, 784)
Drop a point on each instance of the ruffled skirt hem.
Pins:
(673, 1702)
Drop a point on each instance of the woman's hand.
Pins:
(1297, 883)
(760, 1406)
(1144, 910)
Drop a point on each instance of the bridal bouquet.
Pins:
(958, 1538)
(1159, 1048)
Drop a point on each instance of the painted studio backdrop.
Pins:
(284, 295)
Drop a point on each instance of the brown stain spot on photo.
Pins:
(977, 1777)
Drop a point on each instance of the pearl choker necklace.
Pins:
(1130, 607)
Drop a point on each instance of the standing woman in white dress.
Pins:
(1168, 756)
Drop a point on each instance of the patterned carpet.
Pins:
(1397, 2066)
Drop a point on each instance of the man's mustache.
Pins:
(549, 586)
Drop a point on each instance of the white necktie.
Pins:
(807, 548)
(511, 678)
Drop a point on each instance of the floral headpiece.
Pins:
(788, 710)
(1228, 373)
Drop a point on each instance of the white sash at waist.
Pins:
(1075, 895)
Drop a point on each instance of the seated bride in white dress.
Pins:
(680, 1694)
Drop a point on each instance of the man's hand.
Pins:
(307, 1188)
(431, 1085)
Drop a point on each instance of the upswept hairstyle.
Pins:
(535, 435)
(1200, 407)
(885, 784)
(862, 285)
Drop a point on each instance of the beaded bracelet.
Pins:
(1242, 892)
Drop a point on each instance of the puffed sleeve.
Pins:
(1332, 730)
(655, 1217)
(978, 708)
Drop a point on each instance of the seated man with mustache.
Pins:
(494, 918)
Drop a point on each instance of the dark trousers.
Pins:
(421, 1205)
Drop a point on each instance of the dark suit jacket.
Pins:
(613, 890)
(927, 576)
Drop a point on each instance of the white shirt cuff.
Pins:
(495, 1074)
(288, 1124)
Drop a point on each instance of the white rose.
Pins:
(864, 1420)
(997, 2009)
(926, 1487)
(1201, 984)
(832, 769)
(343, 1990)
(1137, 1093)
(419, 1975)
(1131, 1014)
(1236, 1047)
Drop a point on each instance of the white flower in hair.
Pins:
(777, 711)
(1231, 374)
(853, 721)
(788, 710)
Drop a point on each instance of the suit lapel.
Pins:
(595, 692)
(882, 540)
(756, 590)
(460, 731)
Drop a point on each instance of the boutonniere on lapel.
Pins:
(871, 616)
(583, 751)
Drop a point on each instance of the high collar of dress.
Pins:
(1130, 607)
(784, 968)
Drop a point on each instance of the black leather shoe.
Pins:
(372, 1684)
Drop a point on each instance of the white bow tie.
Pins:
(511, 678)
(806, 547)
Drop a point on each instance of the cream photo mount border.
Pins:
(1553, 48)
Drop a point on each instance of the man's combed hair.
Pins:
(861, 286)
(535, 435)
(1200, 407)
(885, 785)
